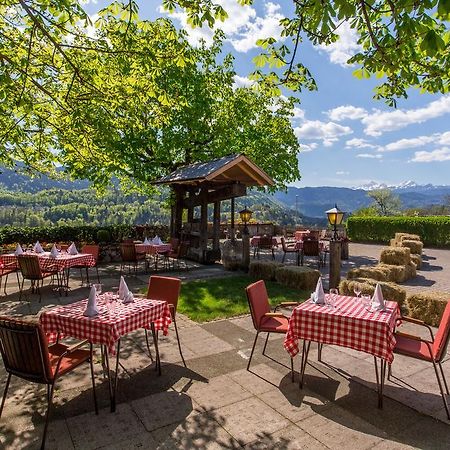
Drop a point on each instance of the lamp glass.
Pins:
(245, 215)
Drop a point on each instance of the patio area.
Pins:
(216, 402)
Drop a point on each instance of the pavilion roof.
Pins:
(225, 170)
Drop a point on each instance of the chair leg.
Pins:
(265, 344)
(284, 256)
(253, 349)
(4, 393)
(441, 389)
(50, 391)
(21, 288)
(91, 362)
(292, 369)
(178, 340)
(443, 378)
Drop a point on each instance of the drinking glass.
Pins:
(98, 288)
(357, 289)
(366, 300)
(332, 297)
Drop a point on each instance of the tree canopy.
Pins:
(404, 43)
(127, 97)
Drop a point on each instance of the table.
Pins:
(64, 261)
(108, 327)
(349, 324)
(153, 249)
(254, 241)
(299, 235)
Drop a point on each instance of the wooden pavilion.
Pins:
(200, 184)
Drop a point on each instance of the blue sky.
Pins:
(348, 139)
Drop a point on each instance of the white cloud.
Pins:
(242, 28)
(308, 147)
(299, 114)
(380, 121)
(328, 132)
(442, 154)
(346, 112)
(342, 173)
(359, 143)
(368, 156)
(419, 141)
(87, 2)
(242, 82)
(344, 48)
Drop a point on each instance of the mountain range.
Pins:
(307, 201)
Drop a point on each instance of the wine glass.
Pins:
(366, 300)
(357, 289)
(332, 297)
(98, 288)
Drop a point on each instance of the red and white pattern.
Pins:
(254, 241)
(153, 249)
(62, 261)
(111, 323)
(347, 325)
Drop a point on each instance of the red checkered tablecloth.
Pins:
(153, 249)
(62, 261)
(254, 241)
(110, 324)
(347, 325)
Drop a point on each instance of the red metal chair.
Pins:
(130, 257)
(27, 355)
(288, 248)
(311, 247)
(93, 250)
(5, 270)
(433, 350)
(264, 320)
(166, 289)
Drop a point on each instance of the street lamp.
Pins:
(335, 216)
(245, 216)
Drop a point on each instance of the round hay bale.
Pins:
(263, 270)
(299, 277)
(398, 256)
(414, 246)
(428, 306)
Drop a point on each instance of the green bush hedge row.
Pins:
(86, 233)
(434, 230)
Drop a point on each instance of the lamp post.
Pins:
(335, 217)
(245, 216)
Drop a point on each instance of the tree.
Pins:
(385, 202)
(133, 101)
(404, 43)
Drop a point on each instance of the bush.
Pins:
(390, 291)
(301, 277)
(415, 246)
(263, 270)
(417, 260)
(103, 236)
(435, 230)
(399, 256)
(428, 306)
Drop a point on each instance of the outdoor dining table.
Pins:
(154, 250)
(115, 319)
(348, 324)
(64, 261)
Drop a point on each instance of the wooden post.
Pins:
(203, 241)
(335, 264)
(178, 219)
(232, 232)
(245, 249)
(216, 225)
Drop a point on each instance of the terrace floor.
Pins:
(216, 404)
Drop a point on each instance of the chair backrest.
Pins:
(310, 247)
(164, 288)
(24, 349)
(265, 242)
(182, 250)
(62, 247)
(442, 337)
(174, 243)
(30, 267)
(128, 252)
(258, 301)
(283, 244)
(91, 249)
(314, 234)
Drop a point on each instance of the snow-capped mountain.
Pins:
(403, 186)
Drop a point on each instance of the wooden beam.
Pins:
(217, 195)
(203, 241)
(178, 213)
(216, 225)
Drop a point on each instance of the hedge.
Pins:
(86, 233)
(434, 230)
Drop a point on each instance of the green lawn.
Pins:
(219, 298)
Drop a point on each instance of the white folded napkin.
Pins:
(146, 241)
(319, 294)
(72, 250)
(91, 308)
(124, 293)
(38, 247)
(54, 251)
(377, 299)
(157, 240)
(18, 250)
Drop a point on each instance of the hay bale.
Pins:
(263, 270)
(428, 306)
(417, 260)
(391, 291)
(415, 247)
(393, 243)
(398, 274)
(398, 256)
(373, 272)
(399, 237)
(297, 277)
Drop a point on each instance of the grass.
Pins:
(220, 298)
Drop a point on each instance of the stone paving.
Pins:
(216, 404)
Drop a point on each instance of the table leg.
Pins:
(155, 342)
(113, 381)
(306, 345)
(380, 376)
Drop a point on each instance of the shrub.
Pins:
(399, 256)
(301, 277)
(103, 236)
(390, 291)
(434, 230)
(264, 270)
(428, 306)
(417, 260)
(415, 246)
